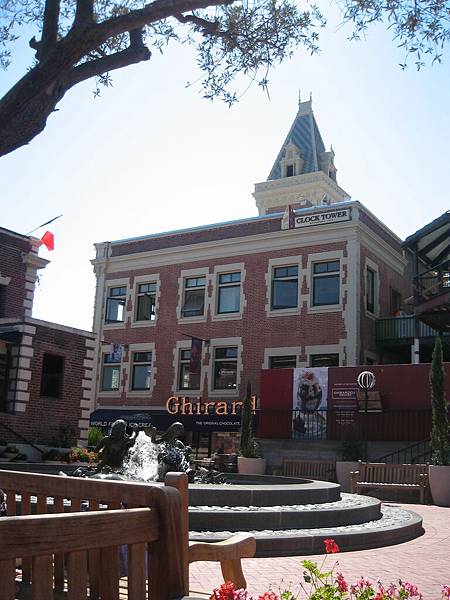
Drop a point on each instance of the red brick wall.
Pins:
(43, 417)
(12, 295)
(256, 329)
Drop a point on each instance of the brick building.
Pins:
(45, 368)
(288, 288)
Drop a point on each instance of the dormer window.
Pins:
(292, 163)
(290, 170)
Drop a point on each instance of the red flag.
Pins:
(48, 239)
(291, 217)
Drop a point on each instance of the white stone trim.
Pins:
(4, 280)
(283, 261)
(218, 343)
(369, 264)
(326, 349)
(219, 270)
(143, 347)
(139, 279)
(281, 351)
(352, 309)
(185, 274)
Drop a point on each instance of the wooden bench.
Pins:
(63, 554)
(390, 476)
(323, 470)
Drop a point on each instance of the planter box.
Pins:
(251, 466)
(439, 478)
(343, 470)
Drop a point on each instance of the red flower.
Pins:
(330, 546)
(268, 596)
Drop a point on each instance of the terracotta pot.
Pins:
(343, 470)
(439, 477)
(251, 466)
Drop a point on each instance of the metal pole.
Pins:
(366, 425)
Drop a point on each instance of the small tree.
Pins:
(248, 446)
(440, 445)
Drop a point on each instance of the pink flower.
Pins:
(268, 596)
(446, 591)
(341, 583)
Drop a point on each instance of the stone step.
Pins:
(350, 510)
(394, 527)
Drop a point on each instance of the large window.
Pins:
(110, 373)
(141, 371)
(146, 302)
(283, 362)
(229, 293)
(187, 379)
(284, 287)
(326, 283)
(115, 305)
(194, 297)
(370, 290)
(225, 368)
(52, 376)
(324, 360)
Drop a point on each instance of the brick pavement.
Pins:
(424, 561)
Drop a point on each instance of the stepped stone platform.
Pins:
(290, 516)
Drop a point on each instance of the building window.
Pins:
(326, 283)
(290, 170)
(284, 287)
(283, 362)
(370, 290)
(141, 371)
(52, 376)
(225, 368)
(146, 302)
(115, 305)
(194, 297)
(187, 379)
(324, 360)
(229, 293)
(110, 373)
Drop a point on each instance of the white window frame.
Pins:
(326, 349)
(224, 343)
(139, 280)
(286, 351)
(274, 263)
(186, 345)
(128, 368)
(369, 264)
(321, 257)
(188, 274)
(107, 349)
(112, 283)
(222, 270)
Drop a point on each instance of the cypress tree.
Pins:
(248, 447)
(440, 446)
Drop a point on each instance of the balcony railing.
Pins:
(391, 329)
(432, 283)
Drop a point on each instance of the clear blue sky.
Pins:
(151, 155)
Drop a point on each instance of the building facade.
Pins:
(45, 368)
(301, 284)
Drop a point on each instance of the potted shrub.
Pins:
(350, 453)
(95, 436)
(249, 459)
(439, 469)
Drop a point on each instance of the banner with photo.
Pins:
(309, 403)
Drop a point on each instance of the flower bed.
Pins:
(318, 583)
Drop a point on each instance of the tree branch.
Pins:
(207, 27)
(84, 14)
(132, 55)
(49, 30)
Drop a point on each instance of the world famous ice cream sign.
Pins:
(309, 403)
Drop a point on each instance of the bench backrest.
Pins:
(391, 473)
(58, 494)
(314, 469)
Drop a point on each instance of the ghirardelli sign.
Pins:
(323, 218)
(183, 405)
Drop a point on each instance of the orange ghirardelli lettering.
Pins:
(186, 407)
(207, 405)
(234, 404)
(221, 408)
(173, 405)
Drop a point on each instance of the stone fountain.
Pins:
(287, 516)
